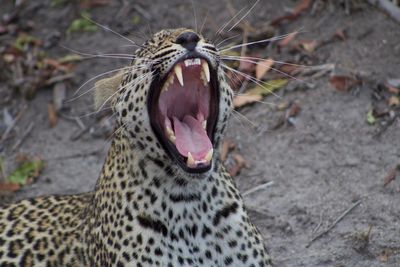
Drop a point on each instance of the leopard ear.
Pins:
(105, 88)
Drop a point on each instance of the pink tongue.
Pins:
(191, 137)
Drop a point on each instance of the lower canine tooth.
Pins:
(209, 155)
(206, 70)
(204, 124)
(190, 160)
(178, 72)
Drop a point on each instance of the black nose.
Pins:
(188, 40)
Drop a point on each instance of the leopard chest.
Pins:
(201, 225)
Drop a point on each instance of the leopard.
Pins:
(163, 197)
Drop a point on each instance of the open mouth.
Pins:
(184, 110)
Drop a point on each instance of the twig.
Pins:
(258, 187)
(388, 7)
(77, 155)
(334, 223)
(319, 223)
(243, 87)
(257, 209)
(23, 137)
(142, 12)
(9, 129)
(313, 69)
(80, 123)
(74, 119)
(386, 126)
(59, 78)
(79, 134)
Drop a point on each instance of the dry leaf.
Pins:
(224, 150)
(235, 80)
(341, 34)
(392, 89)
(57, 65)
(309, 46)
(9, 187)
(9, 58)
(285, 41)
(391, 175)
(293, 110)
(227, 146)
(394, 82)
(343, 83)
(263, 67)
(247, 67)
(289, 69)
(240, 164)
(383, 257)
(52, 115)
(394, 101)
(268, 87)
(283, 105)
(242, 100)
(59, 95)
(302, 6)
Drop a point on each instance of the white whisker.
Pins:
(204, 22)
(195, 15)
(245, 15)
(254, 80)
(124, 86)
(88, 55)
(258, 101)
(274, 69)
(222, 28)
(116, 131)
(97, 76)
(227, 39)
(94, 112)
(275, 38)
(247, 119)
(108, 29)
(259, 58)
(238, 119)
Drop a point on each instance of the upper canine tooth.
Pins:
(204, 124)
(206, 70)
(209, 155)
(178, 72)
(172, 138)
(169, 131)
(171, 134)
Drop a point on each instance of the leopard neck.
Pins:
(128, 174)
(135, 188)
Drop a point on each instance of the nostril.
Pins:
(188, 40)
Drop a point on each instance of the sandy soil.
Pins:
(320, 167)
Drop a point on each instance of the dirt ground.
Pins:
(321, 164)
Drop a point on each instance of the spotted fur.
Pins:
(145, 210)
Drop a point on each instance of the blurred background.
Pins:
(313, 143)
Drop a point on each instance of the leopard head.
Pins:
(173, 102)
